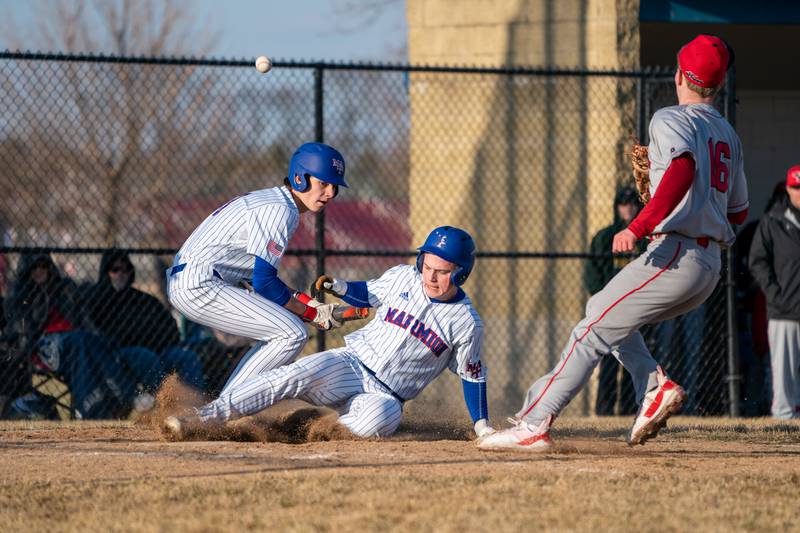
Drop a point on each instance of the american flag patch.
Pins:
(274, 248)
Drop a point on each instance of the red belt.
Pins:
(702, 241)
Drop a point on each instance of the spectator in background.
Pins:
(3, 275)
(775, 264)
(15, 376)
(751, 315)
(47, 327)
(613, 382)
(137, 322)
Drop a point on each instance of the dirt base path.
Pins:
(709, 474)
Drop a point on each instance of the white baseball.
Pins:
(263, 64)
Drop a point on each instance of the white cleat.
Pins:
(658, 405)
(522, 437)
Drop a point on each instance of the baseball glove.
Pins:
(640, 164)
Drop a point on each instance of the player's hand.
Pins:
(328, 284)
(304, 298)
(624, 242)
(482, 428)
(324, 319)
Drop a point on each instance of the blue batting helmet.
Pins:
(451, 244)
(319, 160)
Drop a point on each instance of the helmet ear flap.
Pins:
(458, 276)
(300, 182)
(420, 257)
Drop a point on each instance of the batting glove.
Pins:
(306, 299)
(482, 428)
(323, 319)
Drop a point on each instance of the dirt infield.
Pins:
(706, 474)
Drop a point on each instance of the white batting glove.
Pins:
(324, 319)
(337, 286)
(482, 428)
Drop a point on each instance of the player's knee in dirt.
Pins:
(372, 415)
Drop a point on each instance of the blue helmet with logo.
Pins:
(319, 160)
(451, 244)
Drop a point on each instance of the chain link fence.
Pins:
(108, 164)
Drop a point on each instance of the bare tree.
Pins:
(99, 143)
(121, 27)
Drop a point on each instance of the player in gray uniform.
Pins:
(698, 191)
(241, 245)
(424, 323)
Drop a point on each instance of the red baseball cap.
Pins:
(704, 60)
(793, 177)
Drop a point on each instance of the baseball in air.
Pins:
(263, 64)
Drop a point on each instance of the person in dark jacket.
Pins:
(598, 270)
(775, 264)
(48, 329)
(751, 316)
(751, 328)
(137, 322)
(125, 314)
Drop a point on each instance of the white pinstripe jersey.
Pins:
(258, 223)
(412, 339)
(719, 184)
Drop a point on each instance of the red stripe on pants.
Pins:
(588, 329)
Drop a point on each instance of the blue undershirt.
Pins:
(475, 398)
(267, 284)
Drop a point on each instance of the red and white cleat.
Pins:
(658, 405)
(522, 437)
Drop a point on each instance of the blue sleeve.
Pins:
(357, 294)
(267, 284)
(475, 398)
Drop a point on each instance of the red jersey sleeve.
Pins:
(674, 185)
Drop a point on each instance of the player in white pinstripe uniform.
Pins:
(243, 241)
(424, 323)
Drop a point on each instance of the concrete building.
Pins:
(532, 163)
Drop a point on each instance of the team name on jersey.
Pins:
(427, 336)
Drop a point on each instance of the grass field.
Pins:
(701, 474)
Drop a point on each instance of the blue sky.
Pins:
(334, 30)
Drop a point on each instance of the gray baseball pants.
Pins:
(675, 275)
(784, 347)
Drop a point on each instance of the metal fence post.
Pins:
(319, 136)
(734, 377)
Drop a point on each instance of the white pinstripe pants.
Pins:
(333, 378)
(206, 299)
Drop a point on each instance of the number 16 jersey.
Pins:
(719, 186)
